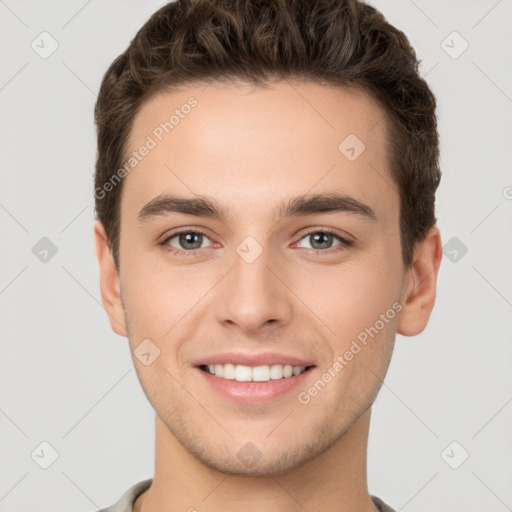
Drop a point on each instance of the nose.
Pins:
(254, 295)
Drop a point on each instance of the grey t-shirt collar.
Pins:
(125, 503)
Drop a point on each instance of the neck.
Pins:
(333, 481)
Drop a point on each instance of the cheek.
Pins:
(148, 301)
(352, 297)
(161, 300)
(357, 295)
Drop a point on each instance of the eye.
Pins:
(322, 240)
(188, 241)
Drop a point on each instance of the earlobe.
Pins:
(109, 281)
(419, 291)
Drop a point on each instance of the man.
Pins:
(265, 189)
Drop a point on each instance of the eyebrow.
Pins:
(201, 206)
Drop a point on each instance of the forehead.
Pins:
(243, 142)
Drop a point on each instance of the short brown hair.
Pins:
(344, 43)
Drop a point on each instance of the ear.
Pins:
(419, 291)
(109, 281)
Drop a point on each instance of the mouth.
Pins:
(253, 385)
(262, 373)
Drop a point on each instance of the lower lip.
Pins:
(254, 392)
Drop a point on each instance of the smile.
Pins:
(263, 373)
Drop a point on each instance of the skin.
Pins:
(250, 148)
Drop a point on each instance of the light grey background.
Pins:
(67, 380)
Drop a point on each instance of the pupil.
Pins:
(318, 237)
(323, 239)
(188, 238)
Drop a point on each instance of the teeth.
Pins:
(260, 373)
(242, 373)
(229, 371)
(298, 370)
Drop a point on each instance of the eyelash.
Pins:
(180, 252)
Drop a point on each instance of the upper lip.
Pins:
(248, 359)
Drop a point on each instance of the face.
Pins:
(260, 288)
